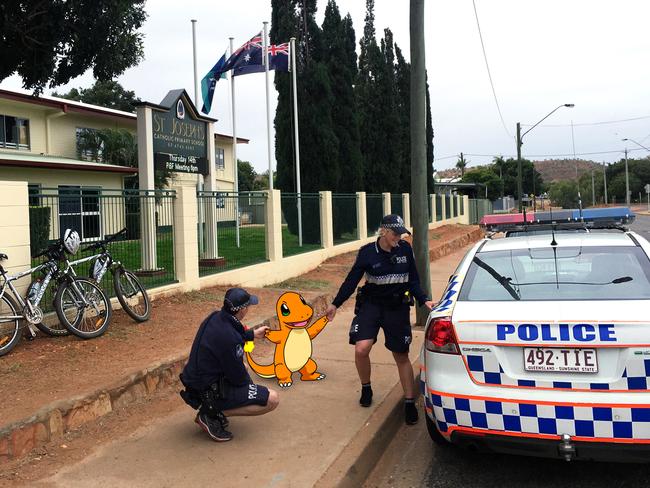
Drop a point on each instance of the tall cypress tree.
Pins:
(284, 25)
(340, 58)
(371, 110)
(429, 135)
(388, 124)
(403, 131)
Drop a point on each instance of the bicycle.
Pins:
(78, 302)
(129, 291)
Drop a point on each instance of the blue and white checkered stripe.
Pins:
(485, 369)
(588, 422)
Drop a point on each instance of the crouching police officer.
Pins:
(383, 302)
(216, 381)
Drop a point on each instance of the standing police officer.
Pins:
(383, 302)
(216, 380)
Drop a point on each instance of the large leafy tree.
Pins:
(564, 194)
(49, 42)
(639, 176)
(109, 94)
(245, 175)
(486, 176)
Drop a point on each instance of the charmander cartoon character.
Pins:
(292, 342)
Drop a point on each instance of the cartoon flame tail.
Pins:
(264, 371)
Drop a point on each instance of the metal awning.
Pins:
(18, 160)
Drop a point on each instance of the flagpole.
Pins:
(265, 60)
(292, 53)
(199, 182)
(234, 148)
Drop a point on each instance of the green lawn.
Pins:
(252, 247)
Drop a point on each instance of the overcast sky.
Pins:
(541, 53)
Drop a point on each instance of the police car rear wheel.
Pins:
(436, 437)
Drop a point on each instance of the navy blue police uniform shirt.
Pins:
(387, 274)
(218, 350)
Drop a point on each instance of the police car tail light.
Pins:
(441, 336)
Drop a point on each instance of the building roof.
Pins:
(26, 160)
(66, 106)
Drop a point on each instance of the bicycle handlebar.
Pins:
(110, 238)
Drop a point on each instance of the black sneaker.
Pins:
(213, 428)
(366, 396)
(410, 413)
(223, 419)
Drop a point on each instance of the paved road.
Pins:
(412, 460)
(642, 226)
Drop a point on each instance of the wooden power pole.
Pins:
(419, 204)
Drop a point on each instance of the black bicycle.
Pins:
(128, 289)
(81, 306)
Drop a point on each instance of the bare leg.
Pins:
(405, 373)
(250, 410)
(362, 359)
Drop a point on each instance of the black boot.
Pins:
(366, 395)
(410, 412)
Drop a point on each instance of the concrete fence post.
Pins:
(186, 244)
(385, 200)
(326, 220)
(273, 225)
(362, 219)
(464, 219)
(433, 217)
(406, 209)
(443, 212)
(14, 229)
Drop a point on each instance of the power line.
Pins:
(487, 66)
(592, 123)
(541, 155)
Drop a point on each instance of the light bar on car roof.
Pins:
(593, 217)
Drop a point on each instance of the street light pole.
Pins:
(627, 182)
(520, 138)
(519, 168)
(605, 180)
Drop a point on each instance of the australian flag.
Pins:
(248, 58)
(209, 82)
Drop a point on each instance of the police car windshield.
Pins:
(566, 273)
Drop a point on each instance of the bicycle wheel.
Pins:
(85, 321)
(131, 295)
(55, 329)
(9, 325)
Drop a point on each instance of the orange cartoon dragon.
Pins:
(292, 342)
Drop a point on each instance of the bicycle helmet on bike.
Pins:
(71, 241)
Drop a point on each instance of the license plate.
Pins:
(568, 360)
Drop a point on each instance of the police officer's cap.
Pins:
(237, 299)
(395, 223)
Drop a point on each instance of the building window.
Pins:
(34, 192)
(220, 158)
(80, 210)
(90, 145)
(14, 132)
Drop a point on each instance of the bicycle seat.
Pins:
(3, 257)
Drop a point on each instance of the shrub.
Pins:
(39, 228)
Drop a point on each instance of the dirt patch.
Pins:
(49, 369)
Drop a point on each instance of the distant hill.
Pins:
(564, 169)
(550, 169)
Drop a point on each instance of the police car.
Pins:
(540, 344)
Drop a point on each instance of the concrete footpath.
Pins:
(319, 435)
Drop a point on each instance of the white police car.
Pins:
(540, 344)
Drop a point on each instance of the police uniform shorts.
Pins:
(395, 321)
(240, 396)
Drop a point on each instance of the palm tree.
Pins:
(461, 164)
